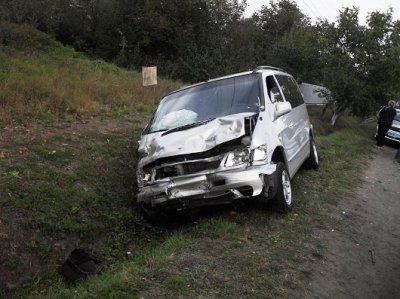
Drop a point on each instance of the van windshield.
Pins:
(207, 101)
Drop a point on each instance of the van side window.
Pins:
(290, 90)
(273, 90)
(296, 91)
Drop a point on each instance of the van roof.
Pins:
(259, 69)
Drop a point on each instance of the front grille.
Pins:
(186, 168)
(214, 152)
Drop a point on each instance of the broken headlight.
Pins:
(259, 153)
(238, 157)
(143, 178)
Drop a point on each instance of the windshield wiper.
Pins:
(188, 126)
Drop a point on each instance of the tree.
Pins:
(340, 52)
(287, 39)
(42, 14)
(361, 63)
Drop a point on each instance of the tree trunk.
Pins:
(334, 118)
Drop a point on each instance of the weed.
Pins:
(58, 158)
(143, 108)
(15, 174)
(217, 226)
(177, 283)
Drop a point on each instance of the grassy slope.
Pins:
(68, 183)
(41, 79)
(67, 180)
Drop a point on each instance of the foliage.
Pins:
(360, 68)
(194, 40)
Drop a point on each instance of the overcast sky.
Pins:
(329, 9)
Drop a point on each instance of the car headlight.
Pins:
(143, 178)
(238, 157)
(260, 153)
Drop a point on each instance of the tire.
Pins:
(313, 160)
(283, 200)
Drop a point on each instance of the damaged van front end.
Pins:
(213, 163)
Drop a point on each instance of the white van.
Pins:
(240, 136)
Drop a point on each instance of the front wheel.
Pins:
(283, 200)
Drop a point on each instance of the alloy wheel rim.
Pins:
(315, 152)
(287, 188)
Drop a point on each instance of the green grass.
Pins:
(217, 226)
(250, 252)
(41, 80)
(127, 277)
(73, 184)
(177, 283)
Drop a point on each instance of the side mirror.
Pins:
(282, 108)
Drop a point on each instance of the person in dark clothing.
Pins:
(385, 120)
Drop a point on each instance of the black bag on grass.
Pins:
(80, 264)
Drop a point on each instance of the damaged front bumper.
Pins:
(205, 189)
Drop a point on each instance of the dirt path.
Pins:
(362, 259)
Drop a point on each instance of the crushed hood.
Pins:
(194, 140)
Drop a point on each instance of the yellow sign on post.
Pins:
(149, 75)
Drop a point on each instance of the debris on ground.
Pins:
(80, 264)
(372, 253)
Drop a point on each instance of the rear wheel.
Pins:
(283, 200)
(313, 160)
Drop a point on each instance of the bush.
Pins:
(25, 38)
